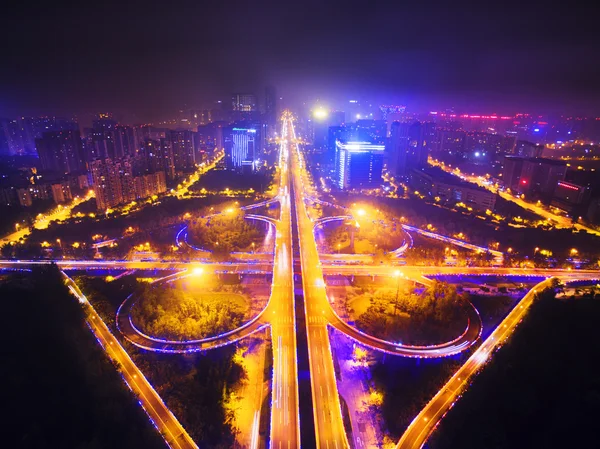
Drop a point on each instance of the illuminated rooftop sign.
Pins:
(360, 147)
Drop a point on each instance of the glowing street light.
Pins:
(574, 251)
(197, 271)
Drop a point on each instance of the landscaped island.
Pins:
(187, 310)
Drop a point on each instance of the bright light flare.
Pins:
(320, 114)
(197, 271)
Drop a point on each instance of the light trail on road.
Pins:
(163, 419)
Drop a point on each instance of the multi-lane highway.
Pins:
(329, 426)
(285, 420)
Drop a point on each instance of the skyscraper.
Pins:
(183, 149)
(61, 151)
(241, 147)
(243, 102)
(409, 146)
(359, 164)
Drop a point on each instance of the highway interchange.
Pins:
(280, 317)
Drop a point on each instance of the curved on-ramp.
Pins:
(138, 338)
(465, 340)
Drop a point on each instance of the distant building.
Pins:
(571, 197)
(511, 172)
(108, 180)
(271, 109)
(8, 196)
(115, 184)
(24, 197)
(184, 152)
(61, 151)
(408, 146)
(244, 102)
(524, 148)
(358, 164)
(540, 176)
(61, 192)
(484, 148)
(434, 182)
(537, 176)
(210, 137)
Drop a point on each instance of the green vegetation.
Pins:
(166, 311)
(219, 180)
(540, 389)
(434, 316)
(370, 231)
(60, 389)
(486, 230)
(195, 387)
(224, 233)
(406, 385)
(156, 223)
(24, 216)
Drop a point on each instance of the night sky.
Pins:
(151, 58)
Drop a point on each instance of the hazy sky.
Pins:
(151, 58)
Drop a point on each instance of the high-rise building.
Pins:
(61, 192)
(409, 146)
(511, 172)
(537, 176)
(184, 153)
(359, 164)
(540, 176)
(271, 110)
(241, 147)
(244, 102)
(523, 148)
(61, 151)
(106, 177)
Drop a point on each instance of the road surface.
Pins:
(329, 427)
(425, 422)
(162, 418)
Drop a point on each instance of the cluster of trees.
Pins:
(218, 180)
(59, 386)
(168, 312)
(369, 237)
(539, 390)
(433, 316)
(196, 388)
(224, 233)
(522, 241)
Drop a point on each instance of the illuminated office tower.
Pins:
(240, 148)
(358, 164)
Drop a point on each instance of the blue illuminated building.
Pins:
(358, 164)
(241, 148)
